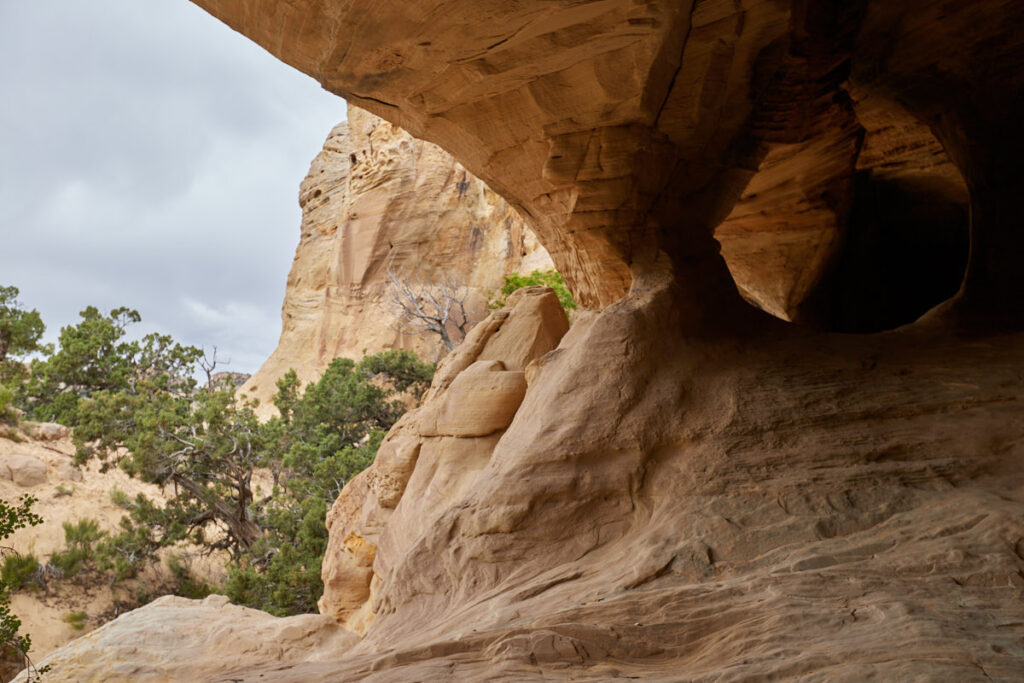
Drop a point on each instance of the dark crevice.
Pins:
(679, 65)
(366, 98)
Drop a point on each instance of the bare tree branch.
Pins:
(433, 307)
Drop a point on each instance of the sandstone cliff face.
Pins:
(689, 488)
(376, 199)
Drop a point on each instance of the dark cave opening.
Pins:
(904, 251)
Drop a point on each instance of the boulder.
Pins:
(68, 472)
(176, 639)
(23, 470)
(46, 431)
(481, 400)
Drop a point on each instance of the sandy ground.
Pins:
(62, 500)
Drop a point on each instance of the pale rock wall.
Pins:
(377, 199)
(435, 453)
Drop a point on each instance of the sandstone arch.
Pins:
(632, 128)
(686, 488)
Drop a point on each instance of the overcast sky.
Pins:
(151, 157)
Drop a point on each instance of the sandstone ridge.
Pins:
(176, 639)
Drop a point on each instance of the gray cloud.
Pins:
(151, 157)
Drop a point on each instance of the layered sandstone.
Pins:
(377, 200)
(666, 506)
(174, 639)
(435, 454)
(624, 129)
(690, 488)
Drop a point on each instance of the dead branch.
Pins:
(436, 307)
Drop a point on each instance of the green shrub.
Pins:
(94, 357)
(14, 646)
(285, 579)
(402, 370)
(8, 414)
(546, 278)
(20, 571)
(21, 332)
(146, 529)
(137, 405)
(185, 584)
(325, 435)
(120, 498)
(76, 620)
(79, 540)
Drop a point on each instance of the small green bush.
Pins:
(14, 646)
(9, 415)
(20, 571)
(185, 584)
(546, 278)
(120, 498)
(76, 620)
(79, 539)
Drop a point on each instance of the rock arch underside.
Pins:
(680, 486)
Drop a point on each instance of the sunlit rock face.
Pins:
(435, 454)
(176, 639)
(377, 200)
(689, 488)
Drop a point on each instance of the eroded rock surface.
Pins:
(175, 639)
(23, 470)
(435, 453)
(689, 488)
(375, 200)
(669, 506)
(625, 129)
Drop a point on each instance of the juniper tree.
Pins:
(21, 333)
